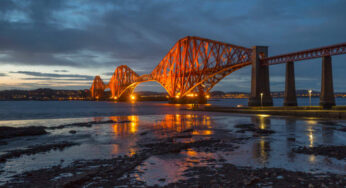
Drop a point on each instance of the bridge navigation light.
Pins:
(132, 97)
(207, 96)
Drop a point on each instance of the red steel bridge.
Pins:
(194, 65)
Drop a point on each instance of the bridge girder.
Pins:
(97, 88)
(194, 61)
(196, 65)
(193, 64)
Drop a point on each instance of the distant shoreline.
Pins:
(151, 99)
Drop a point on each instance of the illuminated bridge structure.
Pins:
(194, 65)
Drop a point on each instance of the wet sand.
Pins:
(178, 150)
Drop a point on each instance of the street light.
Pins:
(310, 91)
(261, 99)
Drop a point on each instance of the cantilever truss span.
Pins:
(193, 65)
(97, 88)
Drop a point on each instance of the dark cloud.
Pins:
(56, 79)
(61, 71)
(53, 75)
(2, 74)
(88, 34)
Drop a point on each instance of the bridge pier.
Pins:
(290, 98)
(327, 98)
(260, 88)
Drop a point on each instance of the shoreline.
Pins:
(335, 113)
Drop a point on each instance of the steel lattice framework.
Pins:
(193, 65)
(307, 54)
(196, 64)
(98, 87)
(122, 79)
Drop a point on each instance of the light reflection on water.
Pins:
(127, 125)
(180, 122)
(111, 139)
(275, 150)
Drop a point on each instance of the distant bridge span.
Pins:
(195, 65)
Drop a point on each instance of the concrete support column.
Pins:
(290, 86)
(327, 98)
(259, 79)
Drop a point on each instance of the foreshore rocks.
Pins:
(35, 149)
(10, 132)
(252, 128)
(338, 152)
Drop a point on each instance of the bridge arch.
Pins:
(130, 89)
(191, 63)
(209, 82)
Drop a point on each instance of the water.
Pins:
(302, 101)
(17, 110)
(104, 141)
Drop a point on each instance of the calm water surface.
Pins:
(16, 110)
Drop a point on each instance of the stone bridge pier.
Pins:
(260, 88)
(290, 98)
(327, 98)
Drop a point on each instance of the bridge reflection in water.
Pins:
(258, 150)
(169, 124)
(126, 125)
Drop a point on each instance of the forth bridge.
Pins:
(194, 65)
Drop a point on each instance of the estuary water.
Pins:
(19, 110)
(131, 122)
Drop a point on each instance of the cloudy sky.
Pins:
(63, 44)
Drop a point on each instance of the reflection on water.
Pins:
(310, 133)
(126, 125)
(110, 139)
(290, 137)
(180, 123)
(328, 134)
(261, 121)
(275, 150)
(261, 149)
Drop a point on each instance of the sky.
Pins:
(63, 44)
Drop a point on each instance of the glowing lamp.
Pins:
(177, 97)
(133, 97)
